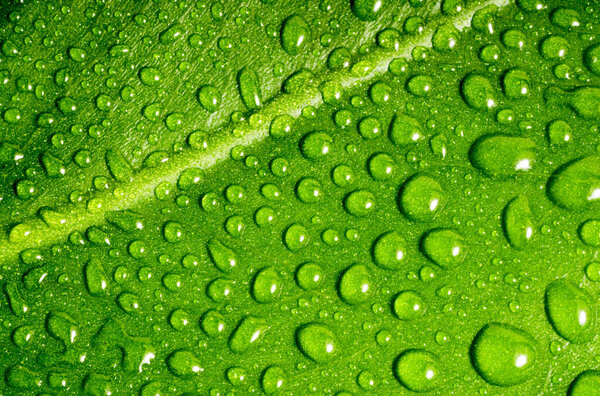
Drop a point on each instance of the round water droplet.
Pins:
(150, 76)
(339, 58)
(420, 85)
(267, 285)
(408, 305)
(359, 203)
(389, 251)
(343, 176)
(317, 342)
(173, 231)
(220, 289)
(405, 130)
(273, 379)
(369, 128)
(316, 145)
(295, 237)
(381, 166)
(421, 198)
(355, 285)
(294, 33)
(503, 354)
(445, 247)
(417, 370)
(309, 190)
(179, 319)
(554, 47)
(213, 323)
(559, 132)
(570, 311)
(477, 91)
(309, 276)
(209, 97)
(367, 10)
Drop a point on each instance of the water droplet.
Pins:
(248, 332)
(294, 33)
(445, 247)
(309, 276)
(359, 203)
(150, 76)
(502, 156)
(309, 190)
(184, 363)
(477, 91)
(417, 370)
(267, 285)
(367, 10)
(249, 87)
(517, 221)
(317, 342)
(355, 285)
(408, 305)
(222, 257)
(295, 237)
(570, 311)
(421, 198)
(273, 379)
(389, 251)
(585, 384)
(209, 97)
(213, 323)
(503, 354)
(405, 130)
(576, 185)
(316, 145)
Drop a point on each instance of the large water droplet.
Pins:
(502, 156)
(586, 384)
(576, 185)
(294, 33)
(503, 354)
(247, 334)
(445, 247)
(517, 221)
(418, 370)
(267, 285)
(317, 342)
(389, 251)
(570, 311)
(421, 198)
(355, 285)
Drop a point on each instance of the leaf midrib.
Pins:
(141, 189)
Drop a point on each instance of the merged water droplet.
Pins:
(503, 354)
(249, 87)
(570, 310)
